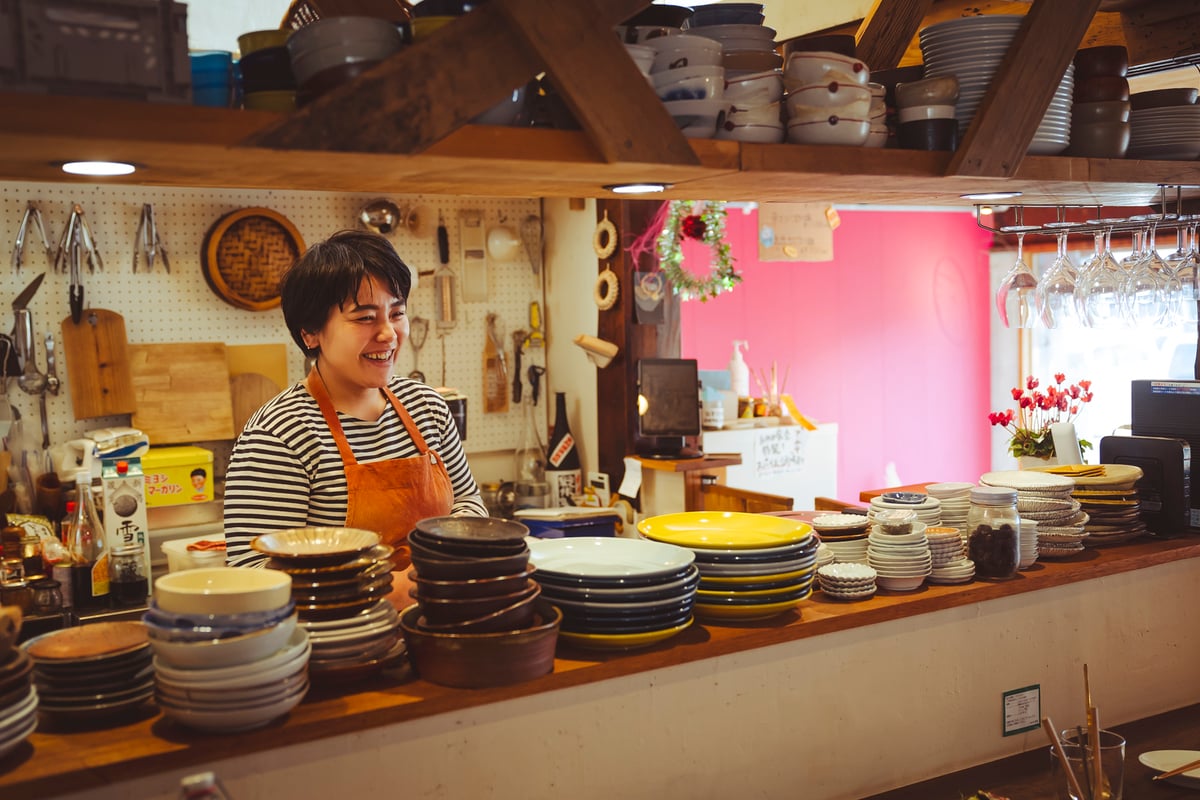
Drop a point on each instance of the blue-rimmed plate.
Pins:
(607, 557)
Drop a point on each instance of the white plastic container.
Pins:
(739, 373)
(180, 558)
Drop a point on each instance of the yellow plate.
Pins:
(1111, 475)
(756, 611)
(701, 594)
(620, 641)
(724, 530)
(778, 576)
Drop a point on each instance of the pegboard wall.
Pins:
(180, 307)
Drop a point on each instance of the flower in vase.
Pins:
(1037, 410)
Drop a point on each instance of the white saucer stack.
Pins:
(847, 581)
(1029, 543)
(950, 562)
(899, 551)
(1046, 499)
(845, 535)
(825, 555)
(928, 509)
(956, 503)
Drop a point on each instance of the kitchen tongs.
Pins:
(148, 243)
(77, 235)
(34, 215)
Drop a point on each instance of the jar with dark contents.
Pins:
(993, 532)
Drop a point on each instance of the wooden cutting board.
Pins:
(182, 392)
(269, 360)
(97, 362)
(249, 391)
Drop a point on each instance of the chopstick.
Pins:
(1052, 735)
(1177, 771)
(1087, 766)
(1093, 725)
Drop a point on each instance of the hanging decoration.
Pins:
(606, 289)
(704, 222)
(604, 238)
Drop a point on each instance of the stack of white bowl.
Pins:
(927, 508)
(972, 48)
(828, 100)
(1028, 543)
(642, 56)
(950, 562)
(689, 78)
(845, 535)
(228, 655)
(755, 108)
(847, 581)
(1046, 499)
(898, 550)
(955, 499)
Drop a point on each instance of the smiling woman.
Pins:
(351, 445)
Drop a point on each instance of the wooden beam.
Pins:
(427, 90)
(1022, 87)
(888, 28)
(599, 82)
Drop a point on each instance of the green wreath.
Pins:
(708, 226)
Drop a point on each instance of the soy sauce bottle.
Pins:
(563, 470)
(89, 550)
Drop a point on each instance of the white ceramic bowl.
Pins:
(642, 56)
(262, 692)
(334, 41)
(797, 113)
(661, 79)
(759, 134)
(682, 51)
(241, 718)
(817, 67)
(223, 590)
(834, 94)
(699, 115)
(284, 661)
(227, 652)
(693, 87)
(769, 114)
(755, 89)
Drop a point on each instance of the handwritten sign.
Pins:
(779, 450)
(795, 231)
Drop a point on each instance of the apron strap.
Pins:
(316, 387)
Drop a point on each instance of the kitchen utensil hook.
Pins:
(32, 215)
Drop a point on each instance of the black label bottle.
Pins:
(563, 470)
(89, 550)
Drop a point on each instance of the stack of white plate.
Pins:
(1028, 543)
(847, 581)
(928, 509)
(971, 49)
(18, 697)
(1046, 498)
(901, 561)
(738, 38)
(1170, 133)
(752, 566)
(955, 498)
(824, 555)
(844, 535)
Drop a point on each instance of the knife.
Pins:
(22, 300)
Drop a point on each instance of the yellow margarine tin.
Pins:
(178, 475)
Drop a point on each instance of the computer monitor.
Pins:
(668, 407)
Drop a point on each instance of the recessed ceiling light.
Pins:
(95, 168)
(990, 195)
(637, 188)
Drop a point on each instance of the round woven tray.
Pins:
(246, 252)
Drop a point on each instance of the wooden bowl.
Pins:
(1162, 98)
(1100, 89)
(1091, 62)
(467, 588)
(480, 660)
(478, 613)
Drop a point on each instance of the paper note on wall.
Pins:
(794, 232)
(779, 450)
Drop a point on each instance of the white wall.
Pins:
(843, 715)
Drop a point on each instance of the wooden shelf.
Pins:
(198, 146)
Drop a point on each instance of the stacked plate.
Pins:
(616, 594)
(18, 697)
(955, 498)
(1169, 133)
(752, 566)
(93, 671)
(972, 48)
(928, 509)
(845, 535)
(902, 561)
(1028, 543)
(1106, 494)
(1046, 499)
(824, 555)
(340, 581)
(847, 581)
(950, 562)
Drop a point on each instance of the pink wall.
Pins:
(889, 340)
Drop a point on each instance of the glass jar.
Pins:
(47, 596)
(489, 492)
(993, 532)
(129, 583)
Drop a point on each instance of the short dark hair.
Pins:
(199, 471)
(331, 272)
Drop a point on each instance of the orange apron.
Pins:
(389, 496)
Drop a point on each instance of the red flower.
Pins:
(1016, 393)
(1059, 377)
(1031, 382)
(693, 227)
(1085, 385)
(1026, 402)
(1036, 411)
(1074, 409)
(1074, 392)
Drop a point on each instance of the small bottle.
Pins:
(62, 569)
(993, 532)
(129, 584)
(530, 463)
(563, 470)
(89, 550)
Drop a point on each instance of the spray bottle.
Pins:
(739, 373)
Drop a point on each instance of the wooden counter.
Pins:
(54, 763)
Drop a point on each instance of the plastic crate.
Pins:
(555, 523)
(133, 49)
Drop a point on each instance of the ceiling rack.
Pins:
(1097, 223)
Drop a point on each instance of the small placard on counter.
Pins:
(795, 231)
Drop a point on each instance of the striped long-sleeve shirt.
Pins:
(285, 471)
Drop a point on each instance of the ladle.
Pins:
(31, 381)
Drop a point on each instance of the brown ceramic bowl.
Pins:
(430, 589)
(1091, 62)
(827, 43)
(1099, 139)
(474, 530)
(1161, 98)
(474, 612)
(1100, 89)
(938, 91)
(480, 660)
(441, 568)
(1105, 111)
(929, 134)
(466, 550)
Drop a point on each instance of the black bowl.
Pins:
(490, 531)
(473, 550)
(267, 70)
(444, 8)
(665, 16)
